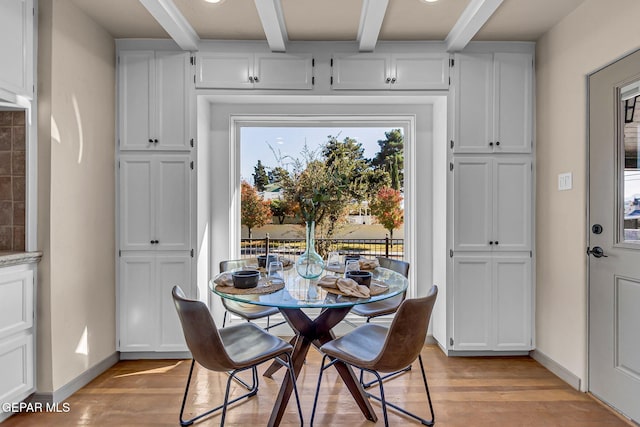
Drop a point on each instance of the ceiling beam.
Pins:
(174, 23)
(472, 19)
(270, 12)
(371, 19)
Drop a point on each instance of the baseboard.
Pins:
(430, 340)
(61, 394)
(560, 371)
(472, 353)
(139, 355)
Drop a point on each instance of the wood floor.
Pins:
(504, 391)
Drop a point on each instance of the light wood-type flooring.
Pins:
(478, 391)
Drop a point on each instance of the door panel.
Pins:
(472, 205)
(172, 101)
(137, 225)
(173, 205)
(614, 290)
(512, 279)
(283, 71)
(135, 94)
(138, 325)
(472, 294)
(512, 204)
(171, 271)
(361, 71)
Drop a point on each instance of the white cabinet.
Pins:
(402, 71)
(154, 100)
(492, 203)
(254, 71)
(493, 103)
(17, 365)
(148, 318)
(492, 303)
(16, 49)
(155, 201)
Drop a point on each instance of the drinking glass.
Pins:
(333, 259)
(276, 270)
(351, 265)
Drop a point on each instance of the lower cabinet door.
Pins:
(148, 318)
(472, 295)
(16, 368)
(138, 303)
(512, 303)
(171, 271)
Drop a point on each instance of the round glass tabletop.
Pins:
(305, 293)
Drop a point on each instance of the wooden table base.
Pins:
(315, 332)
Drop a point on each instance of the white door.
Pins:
(361, 71)
(472, 204)
(420, 71)
(172, 209)
(135, 91)
(512, 303)
(171, 270)
(283, 71)
(511, 204)
(172, 100)
(224, 70)
(137, 203)
(614, 237)
(473, 77)
(138, 304)
(472, 296)
(513, 83)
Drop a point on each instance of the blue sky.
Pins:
(255, 141)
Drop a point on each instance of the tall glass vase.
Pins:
(310, 263)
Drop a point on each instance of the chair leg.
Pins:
(315, 400)
(252, 392)
(292, 377)
(384, 377)
(224, 318)
(384, 403)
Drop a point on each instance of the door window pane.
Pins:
(630, 136)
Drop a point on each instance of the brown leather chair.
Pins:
(375, 348)
(248, 312)
(236, 349)
(384, 307)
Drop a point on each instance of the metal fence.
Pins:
(292, 248)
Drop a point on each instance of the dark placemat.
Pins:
(264, 287)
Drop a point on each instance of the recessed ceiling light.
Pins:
(424, 1)
(218, 1)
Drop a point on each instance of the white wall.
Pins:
(595, 34)
(76, 231)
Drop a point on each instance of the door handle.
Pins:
(596, 252)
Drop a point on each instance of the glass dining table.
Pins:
(300, 293)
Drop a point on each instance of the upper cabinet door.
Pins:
(361, 71)
(420, 71)
(136, 96)
(16, 48)
(513, 102)
(173, 206)
(224, 70)
(283, 71)
(473, 103)
(472, 204)
(172, 100)
(512, 203)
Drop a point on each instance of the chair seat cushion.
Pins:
(249, 311)
(359, 347)
(378, 308)
(247, 344)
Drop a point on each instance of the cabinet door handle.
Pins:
(491, 242)
(497, 142)
(496, 242)
(155, 141)
(150, 141)
(255, 79)
(152, 242)
(491, 144)
(393, 80)
(251, 79)
(388, 80)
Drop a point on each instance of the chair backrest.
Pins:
(396, 265)
(407, 333)
(201, 333)
(232, 264)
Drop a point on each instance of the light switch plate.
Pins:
(565, 181)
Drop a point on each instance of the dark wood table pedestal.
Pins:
(315, 332)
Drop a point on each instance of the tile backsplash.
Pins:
(12, 180)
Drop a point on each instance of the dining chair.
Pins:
(376, 348)
(236, 348)
(248, 312)
(384, 307)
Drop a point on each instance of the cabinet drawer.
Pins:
(16, 301)
(16, 368)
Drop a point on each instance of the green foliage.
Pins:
(281, 208)
(260, 177)
(390, 158)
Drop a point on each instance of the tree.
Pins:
(347, 157)
(278, 175)
(386, 208)
(260, 177)
(391, 157)
(281, 208)
(254, 212)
